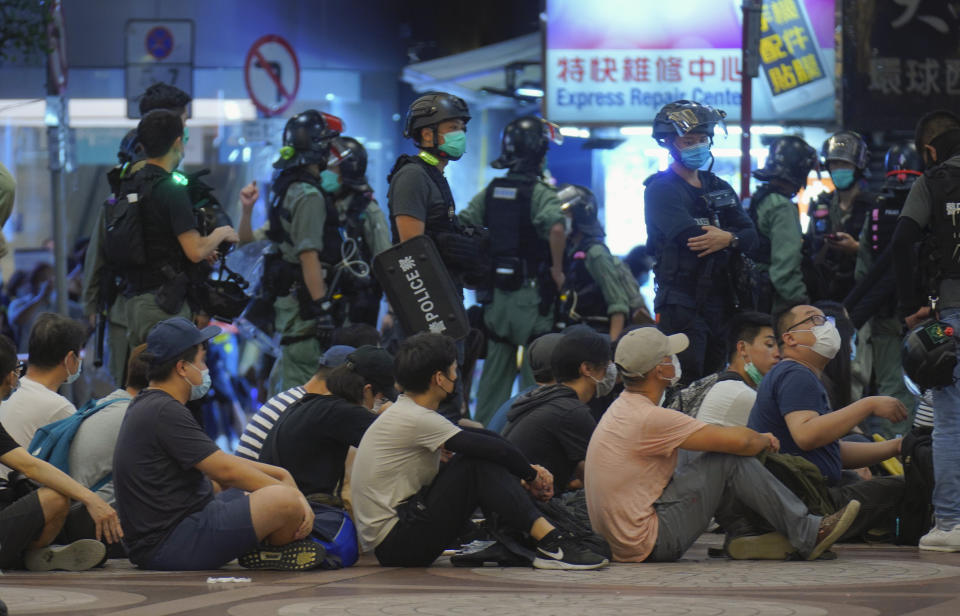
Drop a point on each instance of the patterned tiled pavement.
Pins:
(862, 581)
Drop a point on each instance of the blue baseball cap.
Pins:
(170, 338)
(335, 356)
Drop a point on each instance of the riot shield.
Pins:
(420, 289)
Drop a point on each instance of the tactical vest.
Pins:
(440, 216)
(882, 220)
(330, 254)
(512, 234)
(943, 181)
(582, 300)
(762, 253)
(362, 294)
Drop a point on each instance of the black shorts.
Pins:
(20, 524)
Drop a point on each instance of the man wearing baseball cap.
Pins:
(166, 469)
(650, 510)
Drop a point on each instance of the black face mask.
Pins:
(947, 144)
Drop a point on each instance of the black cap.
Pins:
(376, 366)
(170, 338)
(540, 351)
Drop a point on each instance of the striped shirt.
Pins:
(251, 441)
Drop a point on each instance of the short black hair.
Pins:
(39, 271)
(162, 371)
(745, 326)
(575, 349)
(137, 368)
(158, 130)
(8, 356)
(357, 335)
(420, 357)
(931, 125)
(344, 382)
(782, 320)
(164, 96)
(53, 336)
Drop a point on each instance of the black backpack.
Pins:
(124, 246)
(916, 508)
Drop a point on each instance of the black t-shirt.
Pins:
(154, 474)
(169, 213)
(311, 440)
(7, 444)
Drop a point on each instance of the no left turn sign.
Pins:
(272, 74)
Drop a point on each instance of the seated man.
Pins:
(793, 405)
(539, 351)
(408, 510)
(91, 451)
(54, 359)
(251, 441)
(753, 351)
(166, 471)
(313, 436)
(552, 425)
(30, 523)
(648, 509)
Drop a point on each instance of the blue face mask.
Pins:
(454, 144)
(199, 391)
(329, 181)
(842, 178)
(695, 156)
(72, 378)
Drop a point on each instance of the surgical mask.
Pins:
(695, 156)
(329, 181)
(454, 144)
(842, 178)
(753, 373)
(608, 382)
(71, 378)
(828, 339)
(186, 134)
(677, 370)
(199, 391)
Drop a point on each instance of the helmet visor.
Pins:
(339, 152)
(552, 132)
(333, 123)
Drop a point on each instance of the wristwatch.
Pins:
(735, 242)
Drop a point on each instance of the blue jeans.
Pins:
(946, 441)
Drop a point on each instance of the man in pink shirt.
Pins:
(648, 509)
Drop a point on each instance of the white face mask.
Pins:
(71, 378)
(828, 339)
(677, 371)
(608, 382)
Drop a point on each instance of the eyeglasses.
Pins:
(21, 369)
(815, 319)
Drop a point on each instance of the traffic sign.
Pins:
(157, 51)
(272, 74)
(159, 42)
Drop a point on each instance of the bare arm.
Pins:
(736, 440)
(313, 274)
(617, 323)
(248, 198)
(279, 473)
(857, 455)
(198, 247)
(811, 430)
(230, 472)
(558, 242)
(408, 226)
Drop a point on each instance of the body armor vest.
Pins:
(507, 216)
(882, 220)
(944, 184)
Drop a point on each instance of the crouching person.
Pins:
(648, 509)
(409, 510)
(167, 473)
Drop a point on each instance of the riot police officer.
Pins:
(364, 226)
(779, 251)
(836, 218)
(527, 241)
(696, 229)
(303, 227)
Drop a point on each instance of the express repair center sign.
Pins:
(619, 61)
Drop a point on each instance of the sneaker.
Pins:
(832, 528)
(559, 551)
(938, 540)
(769, 546)
(295, 556)
(80, 555)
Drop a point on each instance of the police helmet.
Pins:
(525, 142)
(581, 204)
(353, 167)
(306, 139)
(902, 165)
(683, 116)
(131, 151)
(430, 110)
(790, 159)
(929, 354)
(847, 146)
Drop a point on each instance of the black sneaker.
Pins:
(80, 555)
(295, 556)
(559, 551)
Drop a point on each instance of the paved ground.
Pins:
(863, 581)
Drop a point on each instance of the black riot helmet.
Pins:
(929, 354)
(580, 204)
(525, 142)
(353, 164)
(683, 116)
(902, 165)
(306, 139)
(131, 151)
(790, 159)
(430, 110)
(848, 146)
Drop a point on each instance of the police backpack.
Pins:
(124, 247)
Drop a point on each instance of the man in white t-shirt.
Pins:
(54, 359)
(408, 510)
(753, 351)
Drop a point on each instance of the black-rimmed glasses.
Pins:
(816, 319)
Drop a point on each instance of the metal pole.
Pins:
(750, 69)
(56, 137)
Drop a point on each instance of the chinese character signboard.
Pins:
(619, 61)
(900, 59)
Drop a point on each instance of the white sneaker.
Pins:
(941, 540)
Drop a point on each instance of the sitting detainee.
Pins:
(648, 509)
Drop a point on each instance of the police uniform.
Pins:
(780, 249)
(363, 220)
(597, 278)
(836, 269)
(514, 316)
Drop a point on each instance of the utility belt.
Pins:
(510, 273)
(281, 279)
(169, 286)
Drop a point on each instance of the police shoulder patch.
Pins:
(504, 192)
